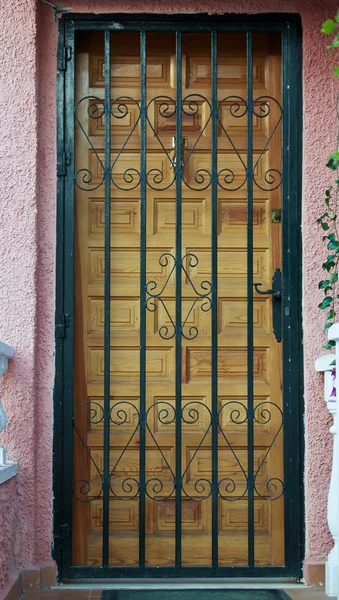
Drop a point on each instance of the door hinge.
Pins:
(61, 324)
(64, 532)
(64, 56)
(63, 164)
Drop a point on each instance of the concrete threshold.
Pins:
(230, 584)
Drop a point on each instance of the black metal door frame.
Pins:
(289, 27)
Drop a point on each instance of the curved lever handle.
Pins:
(276, 286)
(276, 302)
(275, 293)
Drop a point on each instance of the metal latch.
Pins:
(276, 215)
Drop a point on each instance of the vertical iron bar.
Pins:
(214, 257)
(250, 383)
(142, 408)
(68, 364)
(286, 329)
(107, 299)
(178, 317)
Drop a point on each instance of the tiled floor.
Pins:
(301, 593)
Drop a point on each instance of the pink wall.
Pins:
(18, 284)
(27, 234)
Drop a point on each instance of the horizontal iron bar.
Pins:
(180, 572)
(119, 25)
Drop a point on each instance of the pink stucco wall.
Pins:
(27, 243)
(18, 283)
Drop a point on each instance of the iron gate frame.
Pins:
(289, 26)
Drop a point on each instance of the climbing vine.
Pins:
(328, 221)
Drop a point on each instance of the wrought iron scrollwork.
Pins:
(237, 109)
(154, 296)
(262, 108)
(191, 105)
(190, 415)
(162, 106)
(156, 177)
(82, 488)
(274, 486)
(154, 486)
(84, 177)
(227, 486)
(131, 176)
(203, 295)
(129, 486)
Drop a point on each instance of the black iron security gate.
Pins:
(207, 199)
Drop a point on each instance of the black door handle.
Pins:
(275, 292)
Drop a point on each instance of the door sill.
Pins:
(154, 584)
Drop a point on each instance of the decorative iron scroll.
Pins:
(274, 487)
(235, 107)
(84, 178)
(91, 109)
(93, 414)
(121, 108)
(154, 296)
(190, 415)
(155, 487)
(128, 488)
(195, 106)
(165, 108)
(227, 486)
(262, 415)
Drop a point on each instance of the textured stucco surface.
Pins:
(27, 242)
(18, 252)
(8, 514)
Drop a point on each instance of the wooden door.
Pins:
(161, 265)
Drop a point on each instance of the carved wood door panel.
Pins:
(178, 448)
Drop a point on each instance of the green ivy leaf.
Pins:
(327, 289)
(327, 266)
(331, 236)
(331, 315)
(327, 326)
(333, 245)
(329, 27)
(334, 278)
(325, 303)
(335, 155)
(326, 227)
(332, 164)
(329, 345)
(323, 284)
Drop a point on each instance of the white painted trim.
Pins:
(6, 350)
(7, 468)
(8, 471)
(323, 364)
